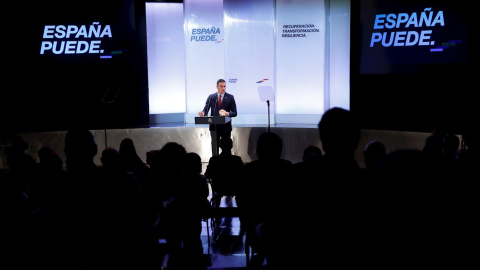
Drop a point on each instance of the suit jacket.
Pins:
(228, 104)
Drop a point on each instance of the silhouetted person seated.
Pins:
(338, 192)
(263, 200)
(131, 161)
(50, 179)
(224, 172)
(311, 157)
(22, 168)
(14, 231)
(127, 202)
(182, 192)
(191, 206)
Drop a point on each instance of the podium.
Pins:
(215, 120)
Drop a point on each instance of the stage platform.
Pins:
(196, 138)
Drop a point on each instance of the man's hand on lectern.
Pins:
(200, 113)
(223, 112)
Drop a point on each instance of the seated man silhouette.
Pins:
(223, 170)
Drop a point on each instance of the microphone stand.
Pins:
(215, 153)
(268, 105)
(107, 100)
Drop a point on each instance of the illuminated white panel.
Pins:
(250, 56)
(204, 50)
(339, 53)
(166, 57)
(300, 57)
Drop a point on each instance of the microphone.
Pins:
(215, 105)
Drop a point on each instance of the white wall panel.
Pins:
(300, 57)
(204, 52)
(249, 56)
(166, 57)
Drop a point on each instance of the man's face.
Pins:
(221, 87)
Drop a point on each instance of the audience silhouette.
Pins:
(99, 207)
(423, 215)
(406, 207)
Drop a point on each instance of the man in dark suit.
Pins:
(221, 104)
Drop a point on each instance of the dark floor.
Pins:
(223, 241)
(227, 241)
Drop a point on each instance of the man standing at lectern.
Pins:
(221, 104)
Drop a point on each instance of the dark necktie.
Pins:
(219, 101)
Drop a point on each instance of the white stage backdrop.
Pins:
(300, 39)
(204, 52)
(283, 46)
(249, 56)
(166, 57)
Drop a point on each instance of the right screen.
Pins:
(411, 64)
(408, 36)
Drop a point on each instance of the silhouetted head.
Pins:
(193, 163)
(433, 146)
(172, 156)
(226, 144)
(49, 158)
(19, 143)
(127, 147)
(80, 147)
(110, 157)
(269, 146)
(339, 132)
(18, 159)
(451, 144)
(311, 152)
(373, 152)
(153, 158)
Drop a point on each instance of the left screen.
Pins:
(72, 64)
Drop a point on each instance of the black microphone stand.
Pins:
(268, 105)
(107, 100)
(215, 153)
